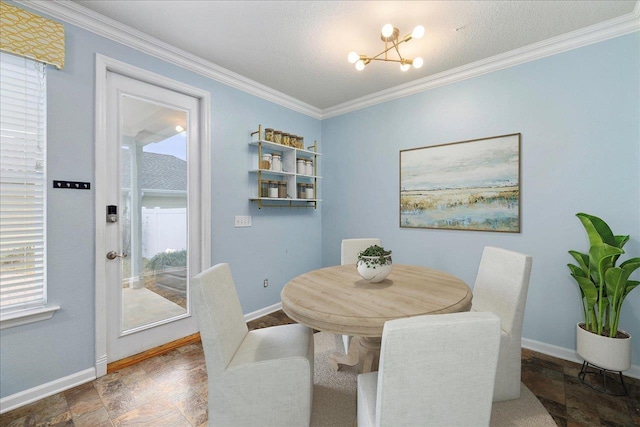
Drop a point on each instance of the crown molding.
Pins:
(82, 17)
(89, 20)
(622, 25)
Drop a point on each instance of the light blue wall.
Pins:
(281, 244)
(579, 115)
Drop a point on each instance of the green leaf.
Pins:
(631, 285)
(597, 230)
(631, 264)
(621, 241)
(589, 291)
(583, 260)
(616, 280)
(600, 258)
(576, 271)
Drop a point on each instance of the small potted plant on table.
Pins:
(374, 263)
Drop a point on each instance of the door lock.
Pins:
(114, 255)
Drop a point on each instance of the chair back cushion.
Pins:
(438, 369)
(352, 247)
(501, 286)
(220, 318)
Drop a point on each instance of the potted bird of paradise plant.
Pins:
(603, 288)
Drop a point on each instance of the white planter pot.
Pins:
(613, 354)
(374, 273)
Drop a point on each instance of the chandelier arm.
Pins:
(394, 46)
(401, 61)
(398, 50)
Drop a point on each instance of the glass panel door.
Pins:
(154, 212)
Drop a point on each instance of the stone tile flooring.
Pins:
(171, 390)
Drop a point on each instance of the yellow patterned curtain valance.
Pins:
(25, 34)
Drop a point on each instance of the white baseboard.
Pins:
(45, 390)
(568, 354)
(262, 312)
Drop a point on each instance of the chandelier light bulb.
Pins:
(353, 57)
(418, 62)
(405, 67)
(387, 30)
(360, 65)
(417, 32)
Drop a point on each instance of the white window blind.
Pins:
(22, 183)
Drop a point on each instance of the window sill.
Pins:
(24, 317)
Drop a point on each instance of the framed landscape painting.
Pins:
(467, 185)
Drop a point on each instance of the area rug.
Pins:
(334, 395)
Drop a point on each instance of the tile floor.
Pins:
(171, 390)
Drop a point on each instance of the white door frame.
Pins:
(103, 65)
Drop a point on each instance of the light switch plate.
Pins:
(243, 220)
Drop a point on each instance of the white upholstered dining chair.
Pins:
(501, 288)
(260, 377)
(349, 251)
(435, 370)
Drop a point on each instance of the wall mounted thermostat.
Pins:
(112, 213)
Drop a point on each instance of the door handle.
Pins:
(114, 255)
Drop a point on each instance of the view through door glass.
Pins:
(153, 214)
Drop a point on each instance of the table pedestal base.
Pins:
(363, 352)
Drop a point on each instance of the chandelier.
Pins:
(389, 36)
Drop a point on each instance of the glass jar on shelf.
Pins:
(264, 188)
(302, 190)
(273, 189)
(301, 168)
(308, 167)
(268, 134)
(282, 189)
(285, 138)
(309, 192)
(276, 162)
(277, 136)
(265, 162)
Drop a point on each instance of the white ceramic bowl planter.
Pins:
(370, 268)
(613, 354)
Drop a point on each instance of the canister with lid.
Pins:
(273, 189)
(285, 138)
(277, 136)
(264, 188)
(276, 162)
(268, 134)
(309, 191)
(308, 167)
(302, 191)
(282, 189)
(265, 162)
(301, 167)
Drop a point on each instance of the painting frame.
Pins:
(471, 185)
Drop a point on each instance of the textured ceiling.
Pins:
(300, 48)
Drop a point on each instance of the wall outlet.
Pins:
(243, 220)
